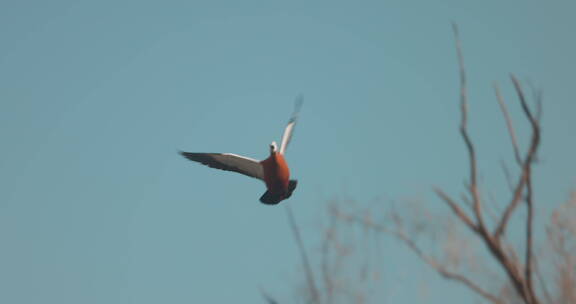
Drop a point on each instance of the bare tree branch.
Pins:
(537, 97)
(542, 282)
(457, 210)
(511, 267)
(507, 175)
(509, 124)
(529, 239)
(328, 282)
(492, 207)
(525, 107)
(307, 268)
(535, 141)
(529, 197)
(269, 299)
(464, 132)
(443, 271)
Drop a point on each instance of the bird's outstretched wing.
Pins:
(291, 124)
(228, 162)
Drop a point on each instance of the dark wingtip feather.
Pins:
(197, 157)
(184, 154)
(297, 105)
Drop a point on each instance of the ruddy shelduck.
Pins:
(273, 171)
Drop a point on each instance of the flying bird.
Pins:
(273, 171)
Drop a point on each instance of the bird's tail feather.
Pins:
(291, 186)
(270, 198)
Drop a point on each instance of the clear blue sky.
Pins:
(96, 97)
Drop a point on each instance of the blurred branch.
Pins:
(269, 299)
(529, 239)
(324, 265)
(473, 187)
(305, 262)
(507, 175)
(526, 164)
(543, 286)
(492, 207)
(509, 124)
(442, 270)
(457, 210)
(522, 282)
(445, 272)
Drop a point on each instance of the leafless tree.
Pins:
(529, 273)
(524, 281)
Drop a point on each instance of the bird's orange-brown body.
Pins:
(277, 178)
(276, 174)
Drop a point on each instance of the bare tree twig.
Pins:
(529, 239)
(466, 200)
(525, 107)
(529, 219)
(507, 175)
(398, 233)
(543, 286)
(328, 283)
(269, 299)
(535, 141)
(537, 96)
(524, 288)
(464, 132)
(509, 124)
(307, 268)
(457, 210)
(492, 207)
(445, 272)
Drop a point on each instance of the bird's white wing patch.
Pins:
(228, 162)
(291, 124)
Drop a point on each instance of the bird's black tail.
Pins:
(291, 187)
(270, 198)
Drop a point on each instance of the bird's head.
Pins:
(273, 147)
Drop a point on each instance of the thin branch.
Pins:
(539, 105)
(537, 95)
(525, 108)
(428, 260)
(535, 141)
(542, 282)
(466, 200)
(445, 272)
(457, 210)
(493, 244)
(510, 266)
(269, 299)
(509, 124)
(307, 268)
(507, 175)
(529, 239)
(464, 132)
(492, 207)
(523, 284)
(328, 282)
(500, 229)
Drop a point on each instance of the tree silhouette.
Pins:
(527, 277)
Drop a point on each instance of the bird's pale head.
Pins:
(273, 147)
